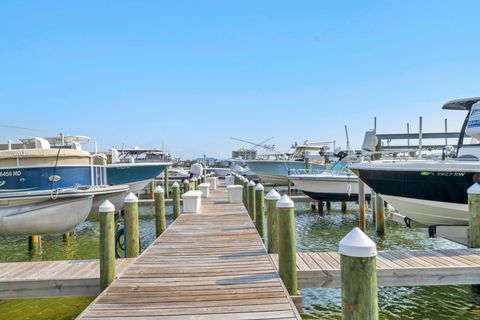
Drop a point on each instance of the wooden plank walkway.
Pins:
(395, 268)
(52, 278)
(211, 265)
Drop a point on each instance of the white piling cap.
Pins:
(158, 189)
(474, 189)
(186, 181)
(251, 184)
(175, 185)
(259, 187)
(272, 195)
(357, 244)
(106, 206)
(131, 198)
(285, 202)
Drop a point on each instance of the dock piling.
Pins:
(107, 244)
(186, 185)
(287, 245)
(329, 206)
(251, 199)
(132, 237)
(260, 210)
(152, 188)
(176, 200)
(380, 222)
(344, 206)
(359, 276)
(160, 215)
(373, 201)
(272, 220)
(166, 183)
(362, 222)
(474, 223)
(35, 244)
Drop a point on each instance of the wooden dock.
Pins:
(211, 265)
(52, 278)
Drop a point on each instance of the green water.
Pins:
(315, 232)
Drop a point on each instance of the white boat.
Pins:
(431, 192)
(275, 168)
(336, 184)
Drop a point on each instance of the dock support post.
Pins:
(166, 184)
(380, 216)
(35, 244)
(251, 199)
(132, 237)
(260, 210)
(320, 206)
(152, 187)
(107, 244)
(373, 201)
(176, 200)
(186, 185)
(474, 223)
(358, 266)
(344, 206)
(67, 236)
(287, 246)
(329, 205)
(244, 194)
(289, 187)
(362, 222)
(160, 215)
(272, 220)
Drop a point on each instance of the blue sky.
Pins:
(192, 74)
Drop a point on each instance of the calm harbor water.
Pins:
(315, 232)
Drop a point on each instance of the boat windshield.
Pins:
(340, 166)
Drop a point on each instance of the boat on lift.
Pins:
(431, 192)
(135, 167)
(50, 190)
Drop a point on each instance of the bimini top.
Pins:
(460, 104)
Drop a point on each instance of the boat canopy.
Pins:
(43, 157)
(460, 104)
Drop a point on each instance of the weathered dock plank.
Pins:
(45, 279)
(211, 265)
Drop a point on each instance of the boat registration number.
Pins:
(10, 173)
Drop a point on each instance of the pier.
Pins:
(207, 265)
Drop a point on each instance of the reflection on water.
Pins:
(315, 232)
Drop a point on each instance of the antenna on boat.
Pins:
(348, 140)
(446, 131)
(95, 146)
(408, 135)
(420, 122)
(375, 125)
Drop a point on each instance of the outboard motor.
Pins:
(196, 170)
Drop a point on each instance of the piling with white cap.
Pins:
(380, 222)
(287, 252)
(132, 238)
(186, 185)
(271, 202)
(359, 276)
(251, 200)
(176, 200)
(160, 215)
(107, 244)
(260, 210)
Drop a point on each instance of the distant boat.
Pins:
(275, 168)
(51, 190)
(336, 184)
(131, 168)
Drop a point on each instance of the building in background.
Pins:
(206, 160)
(244, 154)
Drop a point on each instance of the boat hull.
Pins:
(45, 217)
(326, 187)
(276, 171)
(428, 193)
(135, 175)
